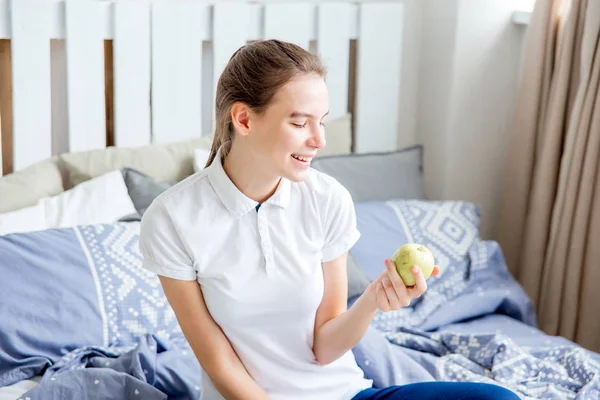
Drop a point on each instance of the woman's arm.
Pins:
(209, 343)
(165, 253)
(338, 329)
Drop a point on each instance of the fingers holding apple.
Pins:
(386, 298)
(404, 278)
(388, 294)
(400, 289)
(420, 285)
(381, 298)
(389, 291)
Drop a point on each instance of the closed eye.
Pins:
(304, 125)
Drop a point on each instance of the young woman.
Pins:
(251, 251)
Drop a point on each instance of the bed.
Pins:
(81, 319)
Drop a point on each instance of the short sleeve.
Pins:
(341, 232)
(161, 246)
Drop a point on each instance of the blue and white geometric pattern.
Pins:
(563, 372)
(449, 229)
(541, 372)
(131, 298)
(452, 226)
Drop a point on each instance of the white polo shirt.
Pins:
(260, 272)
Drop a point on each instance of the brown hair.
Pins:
(252, 76)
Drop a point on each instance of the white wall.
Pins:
(459, 94)
(409, 82)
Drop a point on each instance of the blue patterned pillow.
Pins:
(62, 289)
(448, 228)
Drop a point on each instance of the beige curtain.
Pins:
(549, 224)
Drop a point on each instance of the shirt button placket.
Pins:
(263, 231)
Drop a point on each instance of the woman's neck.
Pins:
(243, 170)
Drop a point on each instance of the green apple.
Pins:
(413, 254)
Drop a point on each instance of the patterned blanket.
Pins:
(545, 372)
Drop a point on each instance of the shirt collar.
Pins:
(234, 200)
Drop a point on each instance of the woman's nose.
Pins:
(317, 139)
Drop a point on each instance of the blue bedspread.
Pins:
(434, 339)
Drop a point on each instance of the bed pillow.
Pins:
(142, 189)
(24, 188)
(200, 159)
(101, 200)
(163, 162)
(357, 280)
(377, 176)
(448, 228)
(63, 289)
(26, 219)
(98, 201)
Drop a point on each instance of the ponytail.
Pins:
(223, 134)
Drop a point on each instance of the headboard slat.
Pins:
(333, 44)
(177, 70)
(226, 40)
(85, 75)
(379, 61)
(290, 22)
(131, 66)
(30, 50)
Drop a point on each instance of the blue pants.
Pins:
(438, 391)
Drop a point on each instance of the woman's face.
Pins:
(288, 134)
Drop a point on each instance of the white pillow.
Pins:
(200, 159)
(101, 200)
(26, 219)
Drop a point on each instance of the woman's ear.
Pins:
(240, 117)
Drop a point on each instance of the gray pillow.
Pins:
(143, 189)
(377, 176)
(357, 280)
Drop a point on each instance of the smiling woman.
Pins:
(269, 127)
(261, 292)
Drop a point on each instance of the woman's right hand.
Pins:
(388, 292)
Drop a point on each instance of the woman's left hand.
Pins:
(388, 291)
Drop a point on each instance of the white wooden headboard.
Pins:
(154, 64)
